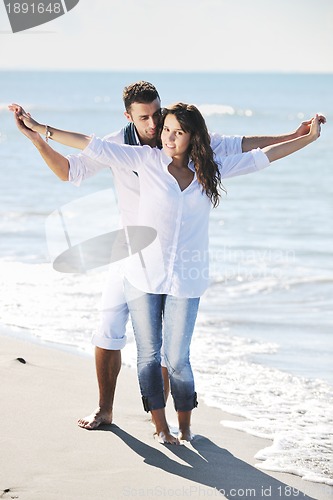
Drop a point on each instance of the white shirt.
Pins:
(127, 187)
(177, 262)
(126, 183)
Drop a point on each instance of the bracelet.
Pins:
(47, 133)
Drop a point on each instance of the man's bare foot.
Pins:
(97, 418)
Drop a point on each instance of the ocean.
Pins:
(263, 344)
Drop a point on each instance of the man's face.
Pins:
(146, 117)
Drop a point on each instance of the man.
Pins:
(142, 110)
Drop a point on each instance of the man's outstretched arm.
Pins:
(253, 142)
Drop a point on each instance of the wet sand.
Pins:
(44, 455)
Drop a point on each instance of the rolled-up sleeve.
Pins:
(242, 164)
(82, 167)
(225, 145)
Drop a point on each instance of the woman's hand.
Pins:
(72, 139)
(304, 127)
(25, 117)
(315, 127)
(277, 151)
(28, 132)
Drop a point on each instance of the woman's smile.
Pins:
(174, 139)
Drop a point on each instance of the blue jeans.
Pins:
(152, 315)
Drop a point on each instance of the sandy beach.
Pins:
(46, 456)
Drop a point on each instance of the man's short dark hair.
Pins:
(142, 92)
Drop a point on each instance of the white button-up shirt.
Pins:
(126, 183)
(177, 262)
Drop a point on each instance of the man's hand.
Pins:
(25, 117)
(305, 126)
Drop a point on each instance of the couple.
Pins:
(179, 185)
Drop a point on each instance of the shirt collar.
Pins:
(166, 160)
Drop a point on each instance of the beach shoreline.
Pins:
(45, 455)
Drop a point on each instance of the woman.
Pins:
(179, 185)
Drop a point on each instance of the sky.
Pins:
(177, 35)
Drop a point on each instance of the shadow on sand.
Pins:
(211, 466)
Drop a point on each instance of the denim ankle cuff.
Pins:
(153, 402)
(186, 404)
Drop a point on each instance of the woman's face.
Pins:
(175, 141)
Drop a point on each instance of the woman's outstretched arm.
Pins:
(72, 139)
(55, 161)
(276, 151)
(261, 141)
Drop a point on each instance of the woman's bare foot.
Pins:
(185, 435)
(97, 418)
(184, 422)
(163, 434)
(165, 437)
